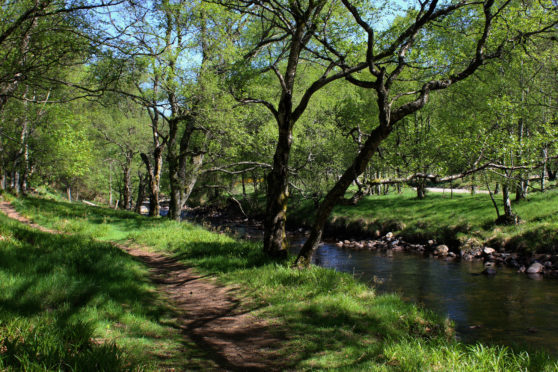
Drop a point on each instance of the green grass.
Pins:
(328, 319)
(73, 303)
(451, 219)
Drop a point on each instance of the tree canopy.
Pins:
(182, 102)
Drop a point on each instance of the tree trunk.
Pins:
(15, 183)
(507, 202)
(127, 187)
(69, 193)
(23, 153)
(275, 244)
(255, 182)
(336, 193)
(398, 185)
(154, 177)
(473, 185)
(508, 218)
(182, 187)
(543, 170)
(491, 194)
(141, 192)
(421, 189)
(110, 184)
(184, 164)
(521, 190)
(25, 170)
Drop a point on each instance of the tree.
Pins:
(387, 57)
(121, 127)
(39, 38)
(278, 38)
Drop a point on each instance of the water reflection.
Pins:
(507, 308)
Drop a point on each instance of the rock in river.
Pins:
(441, 250)
(488, 251)
(489, 271)
(535, 268)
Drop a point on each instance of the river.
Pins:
(507, 308)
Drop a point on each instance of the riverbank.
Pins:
(463, 223)
(327, 319)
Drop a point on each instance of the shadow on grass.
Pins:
(57, 292)
(330, 319)
(96, 216)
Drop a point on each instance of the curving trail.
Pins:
(208, 314)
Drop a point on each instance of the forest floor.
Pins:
(191, 299)
(208, 314)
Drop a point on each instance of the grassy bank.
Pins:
(74, 303)
(449, 219)
(328, 319)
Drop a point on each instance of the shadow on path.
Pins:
(206, 313)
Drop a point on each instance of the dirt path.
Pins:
(9, 211)
(208, 314)
(455, 191)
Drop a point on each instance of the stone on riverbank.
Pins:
(535, 268)
(488, 251)
(441, 250)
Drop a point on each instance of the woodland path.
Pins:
(208, 314)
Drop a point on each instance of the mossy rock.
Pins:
(470, 245)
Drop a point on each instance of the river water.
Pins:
(508, 308)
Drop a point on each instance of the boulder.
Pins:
(472, 246)
(389, 235)
(441, 250)
(535, 268)
(488, 251)
(339, 244)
